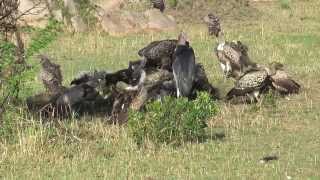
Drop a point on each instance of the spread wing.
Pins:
(158, 49)
(251, 81)
(284, 84)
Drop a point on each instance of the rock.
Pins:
(134, 20)
(159, 21)
(37, 17)
(122, 23)
(78, 24)
(119, 23)
(112, 25)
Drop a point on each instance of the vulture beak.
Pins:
(183, 38)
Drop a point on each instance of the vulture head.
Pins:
(273, 67)
(277, 66)
(138, 73)
(183, 39)
(44, 61)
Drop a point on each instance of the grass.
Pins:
(92, 149)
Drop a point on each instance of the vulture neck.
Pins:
(220, 38)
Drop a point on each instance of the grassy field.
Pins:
(91, 149)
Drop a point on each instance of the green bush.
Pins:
(172, 121)
(14, 76)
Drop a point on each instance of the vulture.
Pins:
(159, 53)
(51, 76)
(90, 78)
(251, 84)
(124, 75)
(43, 104)
(184, 67)
(233, 56)
(75, 97)
(281, 81)
(95, 79)
(158, 4)
(213, 22)
(234, 59)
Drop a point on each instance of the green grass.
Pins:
(92, 149)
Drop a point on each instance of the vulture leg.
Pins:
(251, 98)
(256, 95)
(228, 69)
(223, 67)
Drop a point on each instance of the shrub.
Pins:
(14, 76)
(172, 121)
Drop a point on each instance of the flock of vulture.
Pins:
(167, 68)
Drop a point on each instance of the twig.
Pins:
(30, 9)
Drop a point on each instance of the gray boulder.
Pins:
(159, 21)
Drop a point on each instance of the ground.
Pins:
(241, 134)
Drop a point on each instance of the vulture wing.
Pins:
(284, 84)
(158, 49)
(248, 83)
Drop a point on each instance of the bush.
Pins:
(14, 76)
(172, 121)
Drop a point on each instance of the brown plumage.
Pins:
(158, 4)
(281, 81)
(51, 76)
(252, 84)
(213, 22)
(159, 53)
(234, 59)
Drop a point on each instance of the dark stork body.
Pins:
(158, 4)
(159, 53)
(184, 67)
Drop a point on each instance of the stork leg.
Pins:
(178, 93)
(176, 82)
